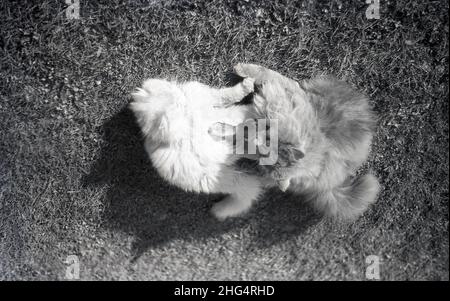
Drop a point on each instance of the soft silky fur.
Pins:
(175, 118)
(332, 125)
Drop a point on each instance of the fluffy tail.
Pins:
(350, 200)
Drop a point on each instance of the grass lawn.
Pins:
(74, 178)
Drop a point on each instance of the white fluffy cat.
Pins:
(175, 118)
(325, 134)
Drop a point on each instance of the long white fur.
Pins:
(175, 118)
(332, 124)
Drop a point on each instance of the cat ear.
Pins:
(298, 154)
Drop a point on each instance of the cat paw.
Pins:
(284, 184)
(226, 208)
(249, 70)
(248, 84)
(221, 131)
(239, 69)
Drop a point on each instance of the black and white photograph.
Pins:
(224, 140)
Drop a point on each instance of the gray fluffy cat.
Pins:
(325, 133)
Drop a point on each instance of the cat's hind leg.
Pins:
(231, 95)
(245, 193)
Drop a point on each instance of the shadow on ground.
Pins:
(140, 203)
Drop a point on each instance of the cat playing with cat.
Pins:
(325, 130)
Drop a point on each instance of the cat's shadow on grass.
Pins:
(140, 203)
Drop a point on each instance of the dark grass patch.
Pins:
(74, 178)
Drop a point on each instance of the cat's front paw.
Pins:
(239, 69)
(283, 184)
(248, 84)
(222, 131)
